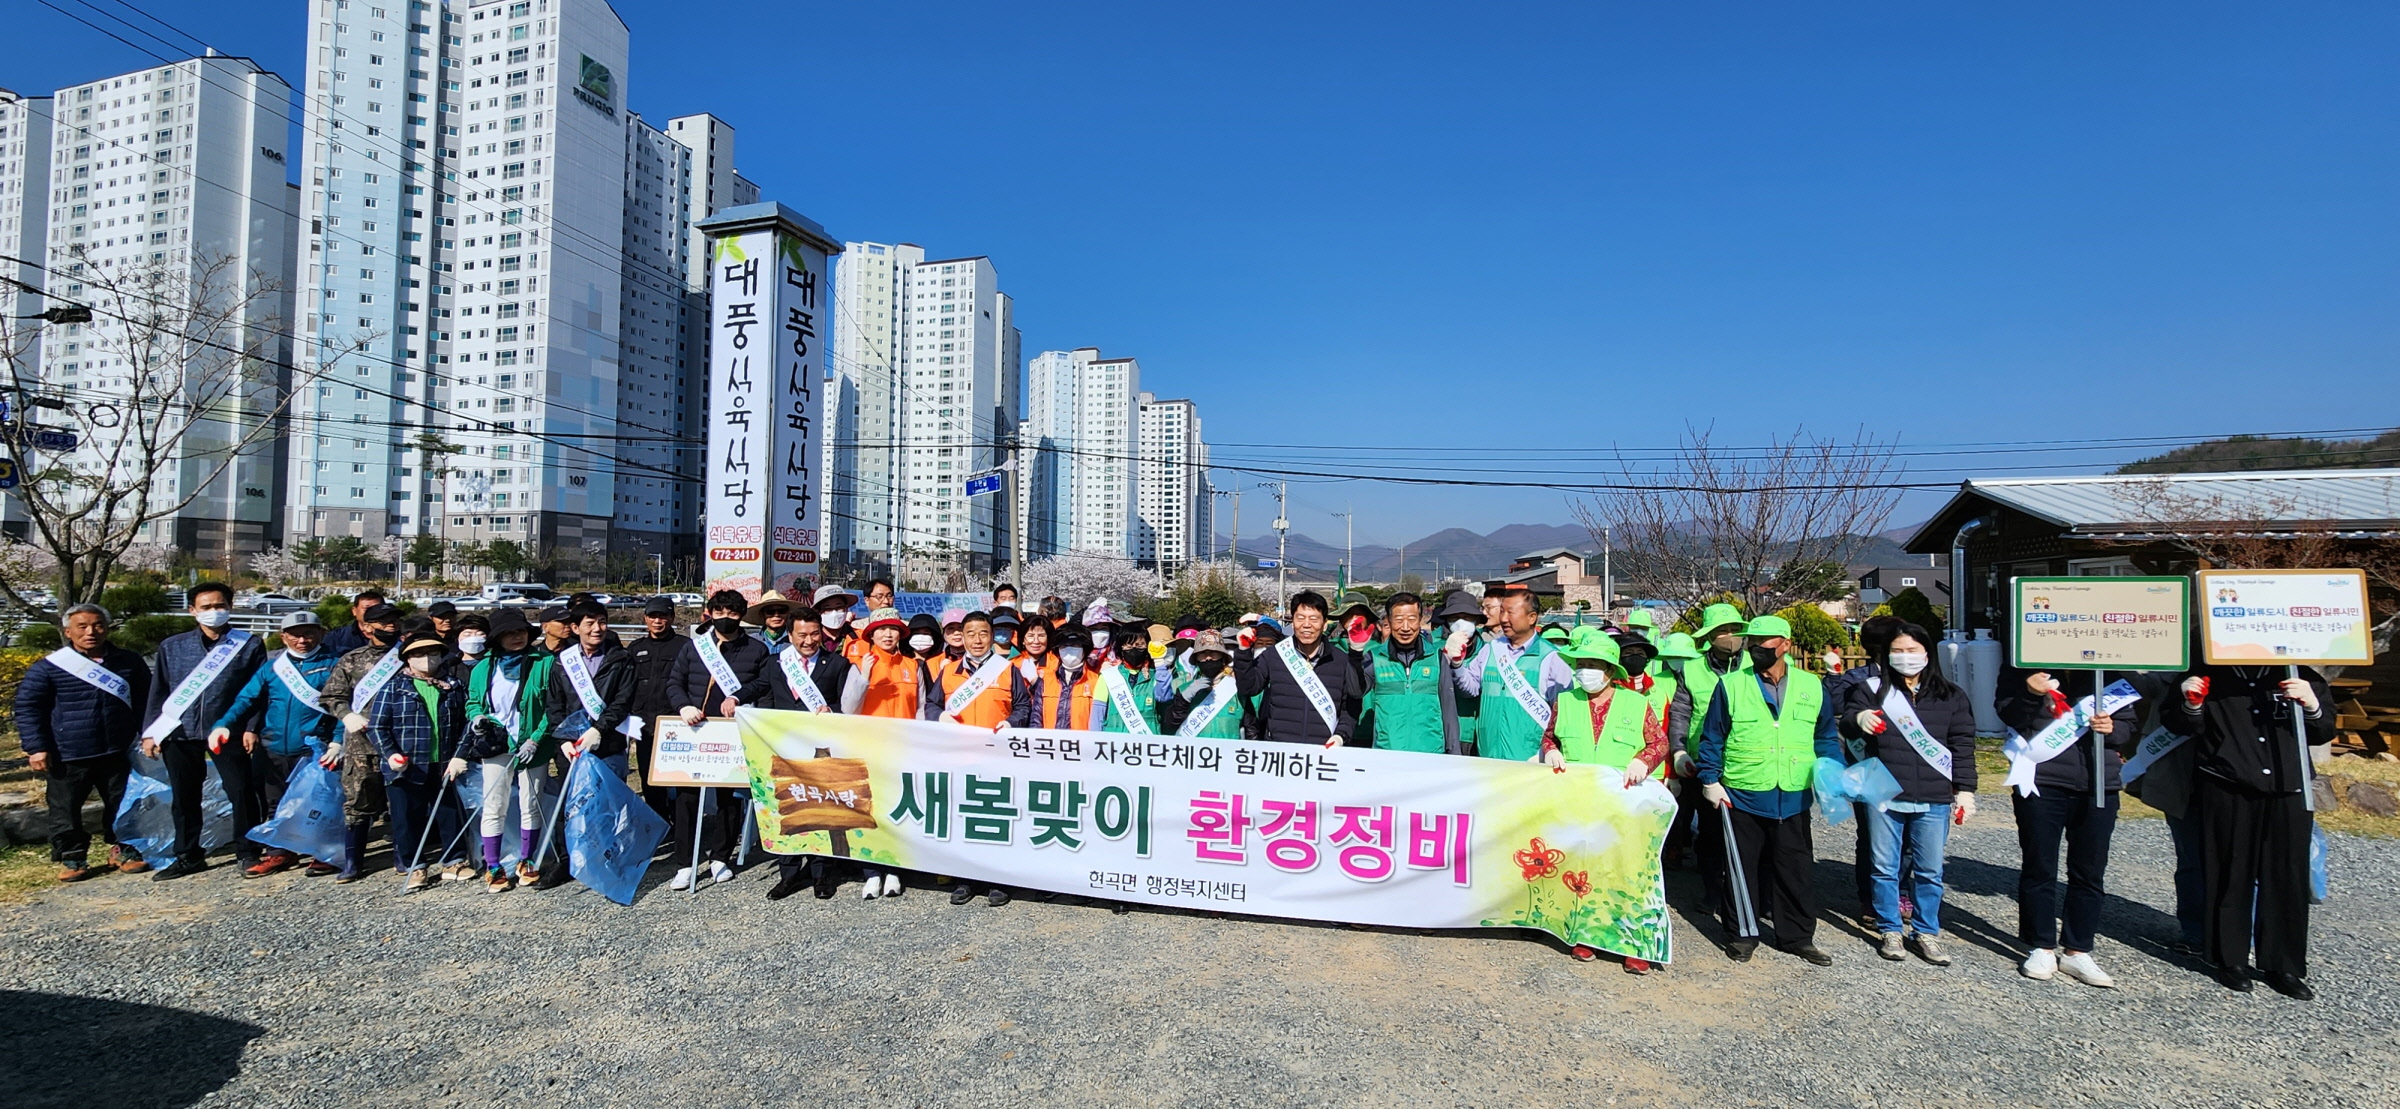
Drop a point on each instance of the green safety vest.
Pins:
(1703, 683)
(1765, 750)
(1503, 729)
(1405, 702)
(1140, 687)
(1620, 737)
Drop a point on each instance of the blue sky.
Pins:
(1578, 225)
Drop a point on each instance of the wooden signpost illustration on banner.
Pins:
(707, 758)
(2100, 624)
(2287, 617)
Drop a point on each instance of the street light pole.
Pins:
(1283, 525)
(1349, 550)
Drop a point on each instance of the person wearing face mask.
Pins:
(1517, 675)
(652, 657)
(508, 687)
(924, 638)
(354, 684)
(277, 714)
(1099, 624)
(415, 722)
(1458, 632)
(1608, 718)
(199, 673)
(973, 689)
(718, 671)
(1007, 626)
(1202, 698)
(1721, 632)
(1056, 688)
(1409, 703)
(470, 639)
(1759, 741)
(833, 604)
(1922, 727)
(1128, 701)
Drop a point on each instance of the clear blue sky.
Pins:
(1567, 226)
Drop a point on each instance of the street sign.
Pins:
(49, 440)
(3, 409)
(2285, 617)
(8, 474)
(1269, 563)
(983, 483)
(2099, 623)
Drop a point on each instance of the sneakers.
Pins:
(126, 862)
(682, 880)
(1637, 966)
(959, 895)
(996, 898)
(720, 873)
(1583, 954)
(1891, 946)
(179, 868)
(496, 880)
(2040, 965)
(459, 871)
(267, 865)
(873, 888)
(1930, 950)
(2080, 967)
(891, 885)
(527, 873)
(421, 879)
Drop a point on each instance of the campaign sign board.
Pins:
(2285, 617)
(2100, 623)
(709, 755)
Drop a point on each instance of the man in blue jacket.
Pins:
(78, 713)
(280, 718)
(199, 672)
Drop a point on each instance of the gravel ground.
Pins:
(291, 991)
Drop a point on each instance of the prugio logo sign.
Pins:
(596, 86)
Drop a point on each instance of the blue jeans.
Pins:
(1926, 836)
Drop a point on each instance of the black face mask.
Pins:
(727, 626)
(1210, 667)
(382, 638)
(1764, 658)
(1635, 659)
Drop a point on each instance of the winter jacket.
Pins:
(180, 654)
(2026, 712)
(828, 671)
(534, 719)
(652, 658)
(612, 679)
(1285, 714)
(398, 724)
(286, 724)
(335, 696)
(690, 686)
(2243, 732)
(343, 640)
(1949, 718)
(63, 715)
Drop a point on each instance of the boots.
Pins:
(354, 851)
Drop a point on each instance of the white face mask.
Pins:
(1070, 657)
(1099, 637)
(297, 653)
(1908, 665)
(1462, 626)
(1592, 681)
(471, 644)
(920, 643)
(836, 618)
(422, 665)
(214, 618)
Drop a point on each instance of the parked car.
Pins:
(518, 593)
(271, 604)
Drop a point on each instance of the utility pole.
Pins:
(1608, 577)
(1349, 556)
(1020, 496)
(1236, 553)
(1283, 525)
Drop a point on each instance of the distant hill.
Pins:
(1459, 552)
(2251, 452)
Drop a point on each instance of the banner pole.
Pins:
(2099, 748)
(2308, 770)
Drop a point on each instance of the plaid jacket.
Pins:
(399, 725)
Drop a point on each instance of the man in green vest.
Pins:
(1675, 654)
(1721, 630)
(1519, 676)
(1759, 743)
(1409, 702)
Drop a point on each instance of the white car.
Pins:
(272, 604)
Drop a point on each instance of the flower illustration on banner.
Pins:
(1579, 881)
(1539, 860)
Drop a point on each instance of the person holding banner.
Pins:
(1921, 726)
(2254, 820)
(279, 711)
(199, 674)
(809, 676)
(974, 689)
(1129, 681)
(78, 715)
(414, 723)
(1201, 698)
(1765, 727)
(1518, 675)
(708, 681)
(1056, 688)
(2050, 774)
(1304, 687)
(886, 681)
(1409, 703)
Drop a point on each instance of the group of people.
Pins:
(1727, 715)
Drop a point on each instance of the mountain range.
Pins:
(1458, 552)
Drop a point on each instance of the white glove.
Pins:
(1027, 670)
(1962, 807)
(451, 772)
(1333, 741)
(2195, 690)
(1684, 767)
(591, 739)
(1636, 772)
(1456, 645)
(1714, 793)
(692, 716)
(1550, 757)
(354, 723)
(1871, 722)
(218, 736)
(2299, 691)
(397, 762)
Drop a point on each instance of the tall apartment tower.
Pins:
(932, 357)
(25, 210)
(1082, 430)
(179, 168)
(657, 506)
(1172, 495)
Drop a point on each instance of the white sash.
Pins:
(373, 681)
(89, 669)
(187, 692)
(296, 683)
(1310, 686)
(2154, 747)
(795, 673)
(713, 657)
(579, 675)
(1205, 713)
(2025, 754)
(1120, 701)
(992, 670)
(1903, 715)
(1518, 687)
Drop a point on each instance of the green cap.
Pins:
(1677, 645)
(1354, 601)
(1640, 618)
(1717, 616)
(1592, 644)
(1555, 633)
(1769, 627)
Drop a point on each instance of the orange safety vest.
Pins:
(989, 709)
(1048, 689)
(892, 686)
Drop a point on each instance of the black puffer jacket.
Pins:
(690, 686)
(2026, 712)
(1284, 712)
(69, 718)
(1949, 717)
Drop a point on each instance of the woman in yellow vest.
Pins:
(1765, 729)
(1609, 719)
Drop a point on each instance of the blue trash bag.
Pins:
(611, 832)
(2316, 865)
(309, 819)
(1833, 797)
(145, 822)
(1870, 782)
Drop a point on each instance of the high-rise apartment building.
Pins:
(927, 361)
(1082, 430)
(1172, 491)
(25, 210)
(175, 171)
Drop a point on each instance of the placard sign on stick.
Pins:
(2286, 617)
(2097, 623)
(709, 755)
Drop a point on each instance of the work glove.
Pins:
(2299, 690)
(2195, 690)
(1871, 722)
(591, 739)
(1636, 772)
(330, 758)
(397, 762)
(456, 768)
(692, 716)
(1684, 767)
(1551, 757)
(1962, 808)
(1456, 645)
(1027, 670)
(1333, 741)
(354, 723)
(217, 738)
(1714, 793)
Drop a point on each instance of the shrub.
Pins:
(1911, 605)
(38, 637)
(142, 633)
(133, 598)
